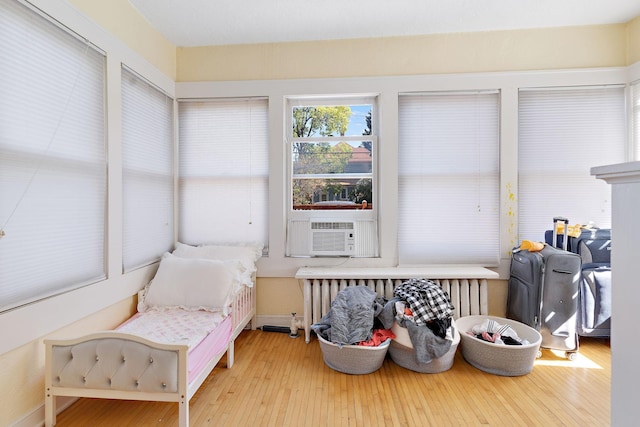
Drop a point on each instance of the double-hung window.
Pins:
(223, 171)
(448, 210)
(147, 169)
(332, 145)
(562, 134)
(53, 175)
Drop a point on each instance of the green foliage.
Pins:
(362, 191)
(321, 158)
(303, 190)
(320, 121)
(367, 130)
(311, 158)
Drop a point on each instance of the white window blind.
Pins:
(449, 178)
(635, 97)
(223, 168)
(147, 169)
(563, 133)
(52, 159)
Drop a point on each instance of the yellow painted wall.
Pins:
(279, 296)
(633, 41)
(121, 19)
(539, 49)
(22, 369)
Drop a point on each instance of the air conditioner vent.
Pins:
(332, 225)
(332, 238)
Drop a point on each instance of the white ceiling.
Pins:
(226, 22)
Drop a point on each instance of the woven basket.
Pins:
(353, 359)
(499, 359)
(402, 353)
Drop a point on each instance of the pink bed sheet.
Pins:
(206, 333)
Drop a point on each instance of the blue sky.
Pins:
(358, 123)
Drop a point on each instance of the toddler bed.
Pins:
(188, 317)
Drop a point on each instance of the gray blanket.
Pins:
(351, 317)
(426, 344)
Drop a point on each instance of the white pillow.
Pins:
(248, 255)
(192, 284)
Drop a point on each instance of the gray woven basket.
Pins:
(402, 353)
(499, 359)
(353, 359)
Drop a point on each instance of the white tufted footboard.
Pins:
(115, 365)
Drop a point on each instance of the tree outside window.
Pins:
(331, 161)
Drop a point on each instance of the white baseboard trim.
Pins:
(275, 320)
(36, 417)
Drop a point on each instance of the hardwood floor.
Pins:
(280, 381)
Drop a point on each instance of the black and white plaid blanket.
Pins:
(426, 299)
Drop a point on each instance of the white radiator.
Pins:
(469, 296)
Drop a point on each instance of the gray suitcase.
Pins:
(543, 293)
(593, 246)
(594, 319)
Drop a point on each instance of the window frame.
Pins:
(332, 100)
(299, 236)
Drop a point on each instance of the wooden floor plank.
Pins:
(280, 381)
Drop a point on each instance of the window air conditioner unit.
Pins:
(331, 238)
